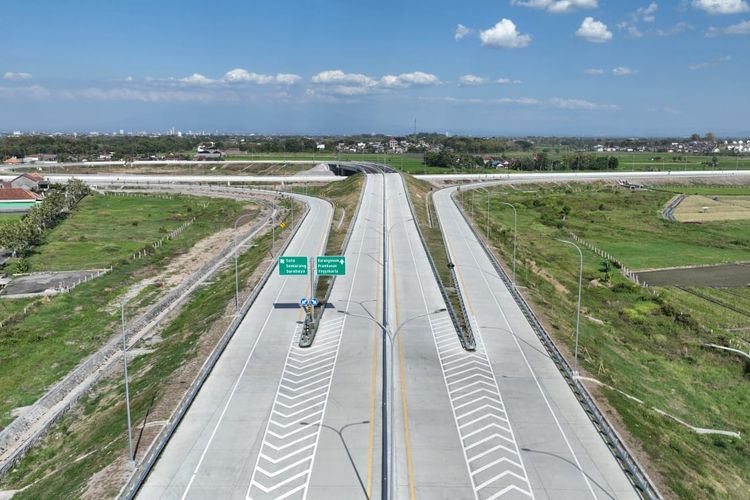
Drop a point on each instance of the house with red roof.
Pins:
(18, 200)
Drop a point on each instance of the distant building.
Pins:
(29, 182)
(12, 161)
(17, 200)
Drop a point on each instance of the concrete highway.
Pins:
(277, 421)
(214, 452)
(562, 454)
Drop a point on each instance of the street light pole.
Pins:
(487, 231)
(515, 236)
(131, 457)
(578, 312)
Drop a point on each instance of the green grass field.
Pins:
(649, 346)
(624, 223)
(93, 433)
(38, 349)
(106, 229)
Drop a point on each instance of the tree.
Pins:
(695, 137)
(710, 137)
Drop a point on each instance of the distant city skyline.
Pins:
(501, 67)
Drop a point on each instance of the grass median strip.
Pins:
(419, 191)
(646, 343)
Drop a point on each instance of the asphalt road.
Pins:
(214, 451)
(561, 453)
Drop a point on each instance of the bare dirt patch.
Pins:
(721, 276)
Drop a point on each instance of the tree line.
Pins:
(20, 236)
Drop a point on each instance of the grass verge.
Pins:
(647, 345)
(92, 435)
(41, 347)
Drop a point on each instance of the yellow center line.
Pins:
(374, 376)
(402, 368)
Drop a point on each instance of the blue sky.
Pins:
(500, 67)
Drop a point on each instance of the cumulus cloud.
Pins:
(461, 31)
(196, 79)
(472, 80)
(239, 75)
(622, 71)
(716, 7)
(594, 31)
(557, 6)
(562, 103)
(16, 76)
(337, 82)
(504, 35)
(741, 28)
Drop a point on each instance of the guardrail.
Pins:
(465, 333)
(141, 472)
(626, 460)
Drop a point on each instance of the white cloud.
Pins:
(594, 31)
(741, 28)
(557, 6)
(559, 102)
(508, 81)
(197, 79)
(418, 79)
(239, 75)
(594, 71)
(505, 35)
(129, 78)
(646, 14)
(337, 82)
(722, 6)
(461, 31)
(472, 80)
(523, 101)
(674, 30)
(14, 76)
(622, 71)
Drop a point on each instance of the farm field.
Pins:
(711, 208)
(647, 343)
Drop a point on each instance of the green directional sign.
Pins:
(293, 266)
(330, 265)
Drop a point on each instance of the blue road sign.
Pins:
(303, 302)
(313, 302)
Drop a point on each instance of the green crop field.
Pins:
(709, 190)
(648, 345)
(37, 349)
